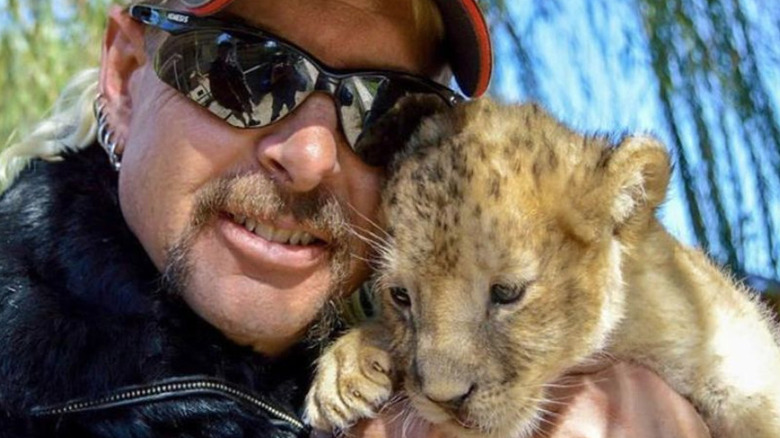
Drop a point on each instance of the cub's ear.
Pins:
(638, 175)
(395, 128)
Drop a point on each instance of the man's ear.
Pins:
(638, 175)
(394, 129)
(122, 54)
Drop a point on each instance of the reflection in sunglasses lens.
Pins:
(251, 80)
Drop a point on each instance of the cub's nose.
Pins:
(450, 397)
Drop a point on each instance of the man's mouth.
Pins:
(276, 235)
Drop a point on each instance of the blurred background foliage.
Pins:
(42, 44)
(703, 75)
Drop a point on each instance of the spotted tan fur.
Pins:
(488, 195)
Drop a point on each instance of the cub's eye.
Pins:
(503, 294)
(400, 296)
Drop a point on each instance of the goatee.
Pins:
(256, 196)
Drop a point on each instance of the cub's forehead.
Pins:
(483, 170)
(449, 208)
(485, 150)
(520, 141)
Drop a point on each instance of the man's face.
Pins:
(192, 186)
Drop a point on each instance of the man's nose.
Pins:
(301, 150)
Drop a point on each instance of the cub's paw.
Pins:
(353, 381)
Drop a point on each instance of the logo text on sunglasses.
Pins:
(178, 17)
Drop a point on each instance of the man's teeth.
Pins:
(272, 234)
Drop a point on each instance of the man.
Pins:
(174, 298)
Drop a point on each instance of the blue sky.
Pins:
(622, 94)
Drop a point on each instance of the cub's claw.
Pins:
(353, 381)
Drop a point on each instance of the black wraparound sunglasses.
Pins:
(250, 78)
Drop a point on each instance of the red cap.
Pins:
(467, 40)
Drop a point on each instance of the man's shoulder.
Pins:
(44, 184)
(63, 237)
(51, 206)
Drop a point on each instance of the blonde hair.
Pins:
(71, 124)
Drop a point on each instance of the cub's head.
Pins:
(502, 264)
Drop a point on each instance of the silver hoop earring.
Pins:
(105, 135)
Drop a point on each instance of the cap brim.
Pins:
(468, 40)
(468, 45)
(205, 7)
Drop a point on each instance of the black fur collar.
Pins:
(81, 310)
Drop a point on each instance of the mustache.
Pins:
(255, 195)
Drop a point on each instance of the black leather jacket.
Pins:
(91, 346)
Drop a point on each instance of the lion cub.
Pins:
(516, 250)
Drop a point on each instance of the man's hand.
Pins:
(620, 401)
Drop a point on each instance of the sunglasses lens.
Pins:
(247, 81)
(364, 100)
(361, 101)
(252, 80)
(282, 81)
